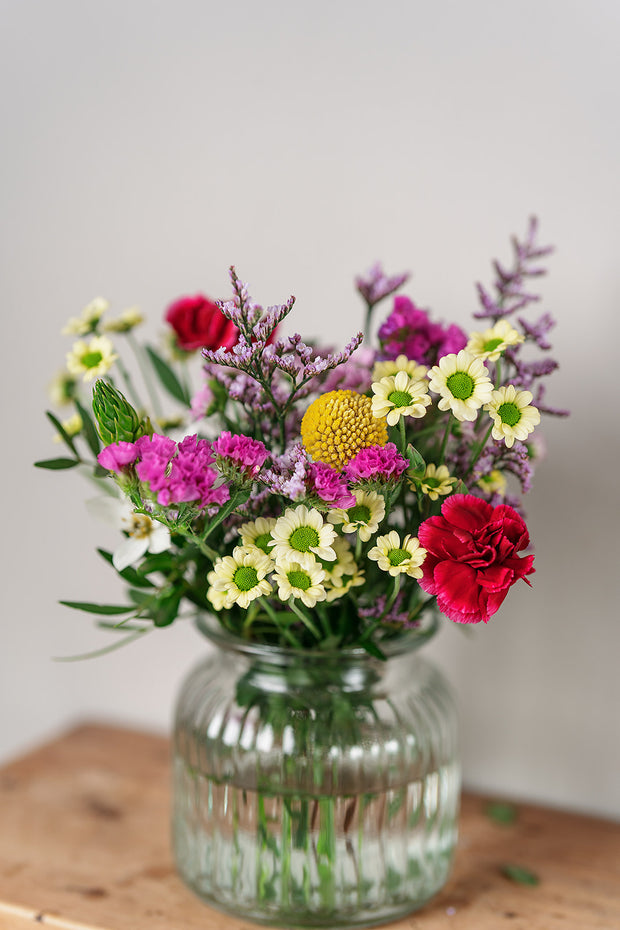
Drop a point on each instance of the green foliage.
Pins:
(520, 875)
(57, 464)
(167, 377)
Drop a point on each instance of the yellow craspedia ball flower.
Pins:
(338, 424)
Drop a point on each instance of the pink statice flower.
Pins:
(180, 473)
(376, 463)
(118, 456)
(409, 331)
(247, 454)
(329, 485)
(201, 402)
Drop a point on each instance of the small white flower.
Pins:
(298, 581)
(302, 536)
(257, 534)
(491, 343)
(512, 413)
(145, 534)
(241, 576)
(398, 559)
(91, 359)
(463, 382)
(402, 363)
(88, 319)
(364, 517)
(400, 395)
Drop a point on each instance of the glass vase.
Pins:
(315, 789)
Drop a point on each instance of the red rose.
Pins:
(199, 324)
(472, 559)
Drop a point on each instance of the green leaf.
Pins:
(160, 562)
(167, 377)
(418, 465)
(521, 876)
(501, 812)
(460, 488)
(90, 433)
(61, 431)
(128, 574)
(140, 597)
(239, 497)
(166, 610)
(103, 609)
(372, 649)
(57, 464)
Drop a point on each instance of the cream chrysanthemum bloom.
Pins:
(463, 382)
(345, 583)
(338, 424)
(241, 576)
(491, 343)
(125, 322)
(514, 417)
(435, 481)
(91, 359)
(88, 319)
(493, 483)
(301, 535)
(398, 396)
(364, 517)
(300, 581)
(398, 559)
(393, 366)
(217, 599)
(257, 534)
(345, 562)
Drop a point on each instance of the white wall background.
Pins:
(148, 145)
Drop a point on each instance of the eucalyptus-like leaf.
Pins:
(102, 609)
(167, 377)
(90, 433)
(64, 435)
(57, 464)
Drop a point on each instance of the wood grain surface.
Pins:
(84, 845)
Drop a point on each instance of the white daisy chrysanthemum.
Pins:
(301, 535)
(241, 576)
(513, 414)
(124, 323)
(491, 343)
(91, 359)
(257, 534)
(345, 562)
(364, 517)
(217, 599)
(339, 588)
(463, 382)
(393, 366)
(435, 481)
(398, 559)
(87, 321)
(300, 581)
(62, 389)
(400, 395)
(144, 533)
(493, 483)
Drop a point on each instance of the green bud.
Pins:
(117, 420)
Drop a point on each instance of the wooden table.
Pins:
(84, 844)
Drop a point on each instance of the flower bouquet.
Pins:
(316, 511)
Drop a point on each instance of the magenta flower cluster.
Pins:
(247, 454)
(376, 463)
(409, 331)
(329, 485)
(174, 472)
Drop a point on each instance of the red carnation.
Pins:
(472, 559)
(200, 324)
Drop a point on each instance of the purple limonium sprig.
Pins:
(353, 375)
(394, 614)
(509, 283)
(374, 286)
(287, 474)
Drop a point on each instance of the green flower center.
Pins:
(262, 542)
(492, 344)
(91, 359)
(461, 385)
(509, 413)
(432, 482)
(400, 398)
(396, 556)
(299, 580)
(359, 514)
(246, 577)
(303, 537)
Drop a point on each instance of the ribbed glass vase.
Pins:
(315, 789)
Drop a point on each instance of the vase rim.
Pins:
(410, 641)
